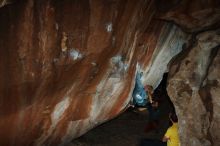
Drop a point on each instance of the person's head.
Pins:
(173, 117)
(141, 74)
(155, 104)
(149, 89)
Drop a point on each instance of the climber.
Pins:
(149, 89)
(154, 116)
(140, 97)
(171, 136)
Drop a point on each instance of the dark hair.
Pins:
(173, 117)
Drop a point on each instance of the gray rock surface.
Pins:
(193, 86)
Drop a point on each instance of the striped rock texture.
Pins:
(67, 66)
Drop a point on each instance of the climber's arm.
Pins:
(167, 135)
(150, 98)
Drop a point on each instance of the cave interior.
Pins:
(68, 68)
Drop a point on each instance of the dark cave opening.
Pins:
(130, 127)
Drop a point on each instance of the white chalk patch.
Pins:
(94, 63)
(126, 66)
(75, 54)
(109, 27)
(57, 26)
(59, 110)
(55, 117)
(95, 109)
(116, 59)
(118, 62)
(32, 74)
(55, 60)
(73, 128)
(113, 40)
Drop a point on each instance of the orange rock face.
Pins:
(67, 66)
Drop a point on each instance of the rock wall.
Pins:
(192, 16)
(171, 42)
(193, 83)
(194, 88)
(67, 66)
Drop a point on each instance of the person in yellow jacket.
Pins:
(171, 136)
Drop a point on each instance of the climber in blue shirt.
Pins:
(140, 96)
